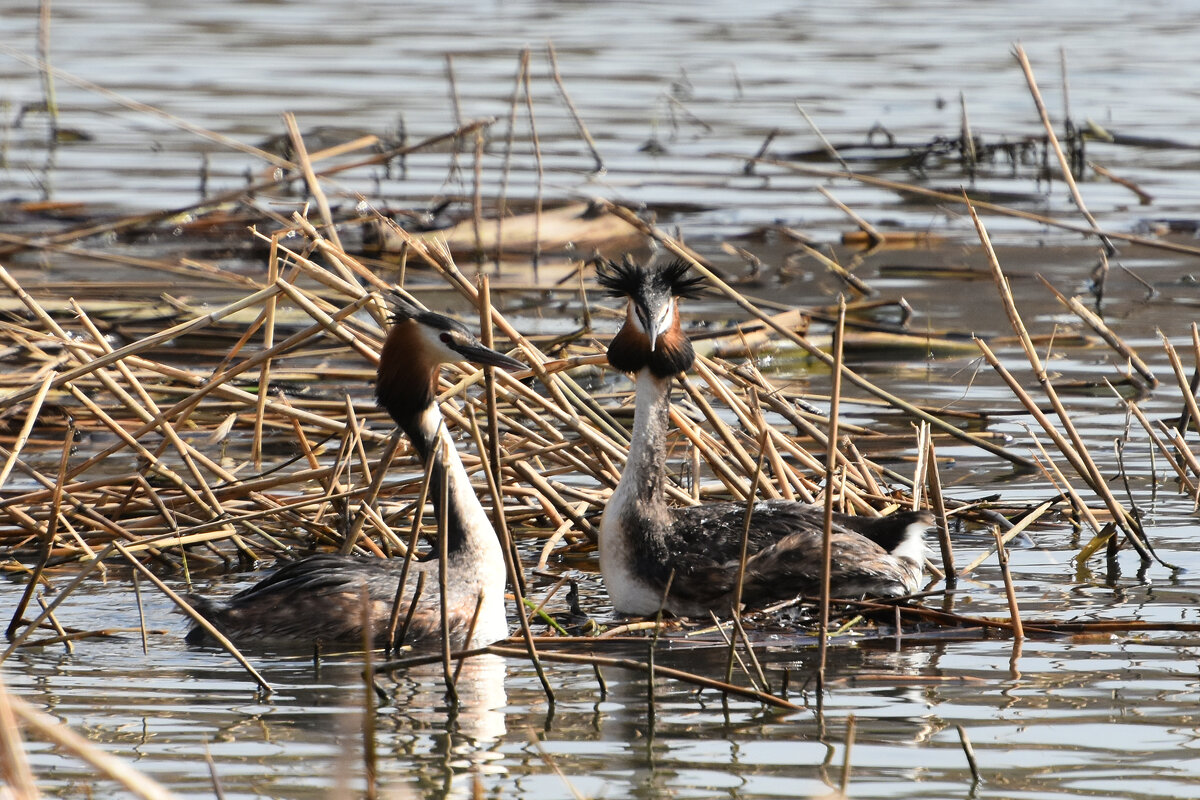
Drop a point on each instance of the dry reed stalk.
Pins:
(356, 273)
(938, 503)
(443, 534)
(1064, 165)
(1192, 411)
(15, 774)
(863, 468)
(735, 603)
(1077, 452)
(730, 638)
(726, 434)
(505, 172)
(217, 384)
(147, 410)
(750, 415)
(63, 593)
(300, 154)
(1182, 449)
(852, 281)
(954, 199)
(557, 536)
(264, 373)
(1104, 332)
(58, 628)
(477, 201)
(116, 355)
(46, 727)
(570, 398)
(1014, 611)
(285, 410)
(758, 670)
(153, 462)
(55, 242)
(31, 415)
(875, 236)
(368, 718)
(707, 447)
(966, 137)
(492, 453)
(186, 608)
(825, 143)
(1194, 385)
(658, 671)
(367, 349)
(921, 468)
(1144, 197)
(539, 169)
(47, 540)
(602, 445)
(844, 777)
(1060, 482)
(969, 752)
(679, 250)
(552, 58)
(766, 394)
(831, 460)
(366, 503)
(512, 562)
(543, 486)
(1192, 487)
(784, 475)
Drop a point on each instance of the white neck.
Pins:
(636, 518)
(476, 561)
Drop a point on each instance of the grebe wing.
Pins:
(716, 528)
(323, 573)
(784, 551)
(321, 597)
(858, 567)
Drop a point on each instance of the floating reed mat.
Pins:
(203, 439)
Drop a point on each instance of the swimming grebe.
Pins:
(643, 540)
(320, 597)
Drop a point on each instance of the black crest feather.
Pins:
(629, 279)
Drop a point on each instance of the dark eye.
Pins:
(446, 338)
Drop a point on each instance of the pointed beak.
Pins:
(655, 318)
(476, 353)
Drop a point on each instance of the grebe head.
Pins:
(418, 343)
(651, 336)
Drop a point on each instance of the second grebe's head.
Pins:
(651, 336)
(418, 342)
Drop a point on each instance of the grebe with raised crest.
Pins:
(643, 540)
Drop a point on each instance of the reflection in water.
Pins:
(459, 743)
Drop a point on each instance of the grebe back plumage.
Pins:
(643, 540)
(320, 597)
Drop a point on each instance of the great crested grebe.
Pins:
(643, 540)
(320, 597)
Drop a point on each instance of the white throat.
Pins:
(629, 592)
(477, 568)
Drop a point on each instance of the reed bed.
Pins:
(184, 471)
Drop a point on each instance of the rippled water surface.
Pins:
(671, 94)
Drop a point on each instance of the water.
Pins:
(1071, 717)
